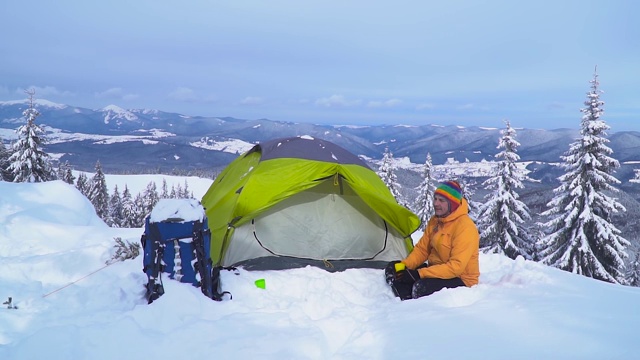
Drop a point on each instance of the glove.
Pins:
(408, 276)
(391, 266)
(390, 271)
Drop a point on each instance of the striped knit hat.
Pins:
(451, 191)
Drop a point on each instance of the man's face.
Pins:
(440, 205)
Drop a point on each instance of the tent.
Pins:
(301, 200)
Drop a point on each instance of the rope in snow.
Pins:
(73, 282)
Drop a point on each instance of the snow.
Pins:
(182, 209)
(56, 136)
(37, 102)
(116, 112)
(233, 146)
(71, 305)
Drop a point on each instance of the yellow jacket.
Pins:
(450, 245)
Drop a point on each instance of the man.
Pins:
(447, 254)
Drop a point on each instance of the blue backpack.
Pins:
(180, 248)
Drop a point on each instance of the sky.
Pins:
(70, 305)
(330, 62)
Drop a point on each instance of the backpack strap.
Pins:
(153, 267)
(203, 262)
(209, 275)
(177, 260)
(217, 294)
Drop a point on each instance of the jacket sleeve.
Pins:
(463, 245)
(420, 252)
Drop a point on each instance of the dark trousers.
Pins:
(422, 287)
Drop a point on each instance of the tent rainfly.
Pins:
(300, 200)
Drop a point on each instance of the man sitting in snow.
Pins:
(447, 254)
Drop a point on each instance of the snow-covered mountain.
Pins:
(118, 114)
(147, 139)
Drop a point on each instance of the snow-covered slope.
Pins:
(50, 238)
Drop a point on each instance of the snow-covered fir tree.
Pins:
(116, 209)
(581, 237)
(5, 174)
(423, 206)
(468, 185)
(28, 162)
(65, 173)
(60, 172)
(502, 216)
(387, 174)
(165, 189)
(98, 193)
(150, 198)
(633, 273)
(82, 184)
(139, 211)
(186, 193)
(129, 213)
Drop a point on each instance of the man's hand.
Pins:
(408, 276)
(390, 271)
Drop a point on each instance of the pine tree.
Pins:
(82, 184)
(388, 176)
(68, 175)
(468, 186)
(5, 174)
(502, 216)
(128, 210)
(61, 171)
(65, 173)
(423, 206)
(139, 211)
(116, 209)
(185, 191)
(633, 274)
(582, 238)
(28, 162)
(150, 198)
(165, 190)
(99, 194)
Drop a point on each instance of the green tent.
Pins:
(304, 199)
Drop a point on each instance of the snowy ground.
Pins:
(50, 237)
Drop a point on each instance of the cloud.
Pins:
(116, 93)
(130, 97)
(473, 107)
(4, 90)
(387, 104)
(188, 95)
(42, 91)
(426, 106)
(252, 101)
(183, 94)
(466, 107)
(336, 101)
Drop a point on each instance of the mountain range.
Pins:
(130, 140)
(143, 141)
